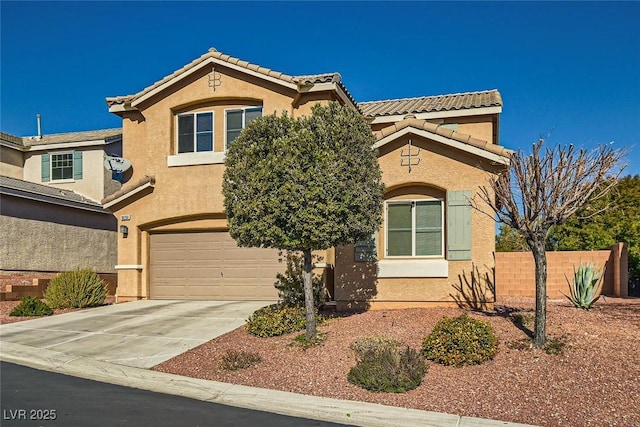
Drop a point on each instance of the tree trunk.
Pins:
(540, 260)
(308, 296)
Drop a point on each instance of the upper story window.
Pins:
(414, 228)
(237, 119)
(195, 132)
(61, 166)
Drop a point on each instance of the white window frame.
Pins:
(413, 230)
(195, 132)
(62, 153)
(244, 119)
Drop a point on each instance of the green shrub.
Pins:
(234, 360)
(30, 306)
(76, 289)
(302, 342)
(586, 287)
(364, 345)
(278, 319)
(290, 285)
(385, 365)
(460, 341)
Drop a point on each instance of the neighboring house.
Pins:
(434, 152)
(50, 214)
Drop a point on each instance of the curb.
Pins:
(274, 401)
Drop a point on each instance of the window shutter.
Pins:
(77, 165)
(459, 225)
(46, 167)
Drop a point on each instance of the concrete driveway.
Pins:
(139, 334)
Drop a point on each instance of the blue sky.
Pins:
(566, 71)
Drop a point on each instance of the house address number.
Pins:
(125, 217)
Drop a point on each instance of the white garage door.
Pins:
(210, 266)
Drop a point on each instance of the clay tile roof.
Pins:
(442, 131)
(425, 104)
(44, 190)
(129, 188)
(213, 53)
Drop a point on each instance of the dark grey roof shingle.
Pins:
(45, 190)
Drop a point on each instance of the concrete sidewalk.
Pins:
(114, 344)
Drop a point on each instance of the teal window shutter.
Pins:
(46, 167)
(77, 165)
(459, 225)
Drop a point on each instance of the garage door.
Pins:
(206, 266)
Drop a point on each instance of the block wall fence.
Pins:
(515, 271)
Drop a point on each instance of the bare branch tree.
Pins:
(543, 189)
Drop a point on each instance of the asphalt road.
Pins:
(30, 397)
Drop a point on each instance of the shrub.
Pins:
(385, 365)
(586, 287)
(234, 360)
(460, 341)
(302, 342)
(76, 289)
(30, 306)
(278, 319)
(361, 346)
(290, 285)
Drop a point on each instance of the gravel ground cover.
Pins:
(595, 381)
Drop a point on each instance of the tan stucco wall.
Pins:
(481, 127)
(184, 197)
(45, 237)
(92, 183)
(11, 162)
(190, 198)
(440, 169)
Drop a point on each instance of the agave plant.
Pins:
(586, 287)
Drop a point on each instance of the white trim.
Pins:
(443, 140)
(203, 64)
(64, 145)
(195, 131)
(128, 267)
(320, 265)
(482, 111)
(413, 228)
(200, 158)
(413, 268)
(127, 195)
(244, 118)
(63, 180)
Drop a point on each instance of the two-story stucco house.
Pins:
(434, 152)
(51, 187)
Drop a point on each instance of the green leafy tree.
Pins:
(617, 219)
(509, 240)
(544, 189)
(304, 184)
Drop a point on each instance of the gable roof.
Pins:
(443, 135)
(300, 83)
(26, 142)
(429, 104)
(44, 193)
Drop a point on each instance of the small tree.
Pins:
(544, 189)
(304, 184)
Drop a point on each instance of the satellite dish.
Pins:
(116, 164)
